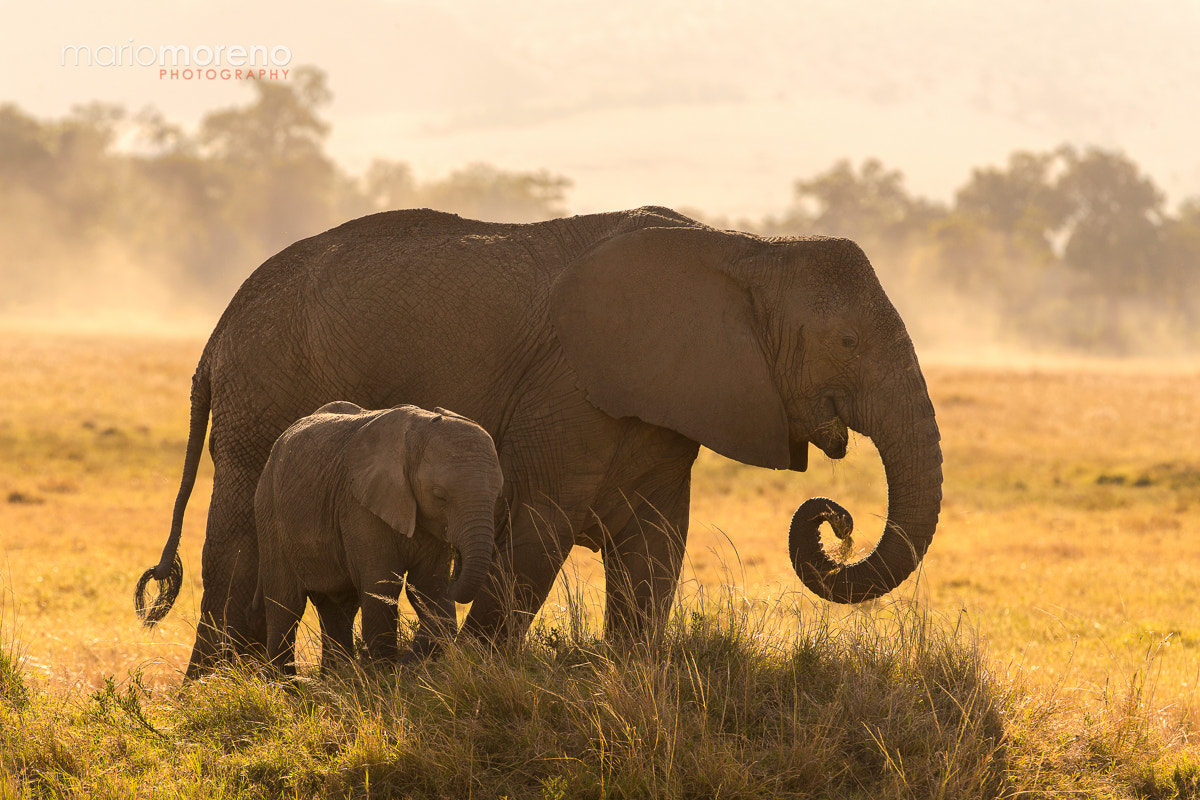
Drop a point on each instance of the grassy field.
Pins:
(1068, 553)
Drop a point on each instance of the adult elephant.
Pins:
(599, 352)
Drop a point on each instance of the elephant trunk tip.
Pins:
(169, 585)
(812, 564)
(461, 594)
(460, 591)
(834, 581)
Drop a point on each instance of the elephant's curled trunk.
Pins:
(912, 461)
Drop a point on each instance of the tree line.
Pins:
(198, 211)
(1067, 247)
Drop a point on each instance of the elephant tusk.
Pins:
(456, 563)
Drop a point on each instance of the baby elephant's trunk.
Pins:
(474, 536)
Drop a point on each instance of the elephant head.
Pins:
(436, 470)
(755, 348)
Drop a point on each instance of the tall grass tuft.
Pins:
(14, 692)
(740, 697)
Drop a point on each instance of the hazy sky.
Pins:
(713, 105)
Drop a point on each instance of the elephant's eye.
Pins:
(849, 340)
(439, 493)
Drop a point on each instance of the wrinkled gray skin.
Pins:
(599, 352)
(350, 501)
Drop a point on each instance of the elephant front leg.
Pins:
(283, 606)
(428, 591)
(437, 623)
(642, 564)
(379, 619)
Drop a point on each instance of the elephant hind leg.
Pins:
(229, 571)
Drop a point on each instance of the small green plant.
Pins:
(110, 700)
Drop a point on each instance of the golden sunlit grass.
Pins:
(91, 437)
(1069, 543)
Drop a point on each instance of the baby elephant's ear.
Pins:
(376, 462)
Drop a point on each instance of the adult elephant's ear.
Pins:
(376, 463)
(657, 330)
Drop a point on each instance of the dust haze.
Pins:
(119, 221)
(98, 289)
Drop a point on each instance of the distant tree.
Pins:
(87, 179)
(279, 185)
(1022, 202)
(28, 214)
(482, 191)
(1113, 230)
(967, 255)
(60, 193)
(26, 149)
(997, 241)
(870, 204)
(281, 126)
(1181, 267)
(185, 223)
(1064, 245)
(389, 185)
(1115, 214)
(100, 189)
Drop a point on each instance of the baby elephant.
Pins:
(350, 501)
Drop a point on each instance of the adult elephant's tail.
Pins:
(169, 571)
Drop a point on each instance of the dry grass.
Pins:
(1069, 534)
(724, 707)
(91, 440)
